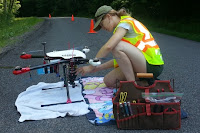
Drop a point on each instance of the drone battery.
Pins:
(47, 70)
(42, 71)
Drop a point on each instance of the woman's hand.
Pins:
(86, 69)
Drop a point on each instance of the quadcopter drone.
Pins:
(69, 60)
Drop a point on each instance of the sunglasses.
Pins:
(96, 18)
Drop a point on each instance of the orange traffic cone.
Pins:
(49, 15)
(72, 17)
(91, 27)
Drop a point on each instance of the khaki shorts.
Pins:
(155, 69)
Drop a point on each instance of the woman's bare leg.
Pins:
(111, 77)
(130, 60)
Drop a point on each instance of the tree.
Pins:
(8, 8)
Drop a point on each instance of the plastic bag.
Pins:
(163, 97)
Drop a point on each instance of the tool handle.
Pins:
(144, 75)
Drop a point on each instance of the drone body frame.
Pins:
(69, 60)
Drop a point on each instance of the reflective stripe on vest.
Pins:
(144, 41)
(147, 40)
(143, 46)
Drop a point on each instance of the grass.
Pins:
(10, 31)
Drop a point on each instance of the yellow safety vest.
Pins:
(143, 41)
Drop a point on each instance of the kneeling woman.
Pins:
(131, 44)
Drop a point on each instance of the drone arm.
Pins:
(37, 56)
(27, 69)
(22, 70)
(26, 56)
(29, 56)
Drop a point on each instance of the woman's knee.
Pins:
(117, 49)
(107, 82)
(111, 78)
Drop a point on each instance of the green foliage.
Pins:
(117, 4)
(15, 7)
(175, 15)
(8, 8)
(60, 7)
(9, 31)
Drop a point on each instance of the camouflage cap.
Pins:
(100, 13)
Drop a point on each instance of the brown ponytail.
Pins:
(123, 12)
(119, 13)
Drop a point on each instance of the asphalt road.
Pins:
(181, 64)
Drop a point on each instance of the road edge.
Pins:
(19, 42)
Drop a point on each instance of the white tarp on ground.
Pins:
(29, 102)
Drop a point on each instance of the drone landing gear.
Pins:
(72, 77)
(61, 103)
(50, 88)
